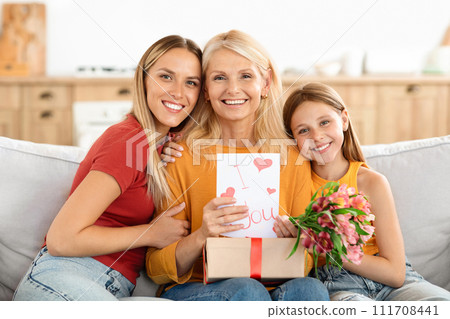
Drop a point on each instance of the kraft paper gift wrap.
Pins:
(264, 259)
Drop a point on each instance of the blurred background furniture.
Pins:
(383, 109)
(23, 39)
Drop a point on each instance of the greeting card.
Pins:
(254, 180)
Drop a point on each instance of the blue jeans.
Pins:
(343, 285)
(247, 289)
(75, 278)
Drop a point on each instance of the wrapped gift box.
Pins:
(264, 259)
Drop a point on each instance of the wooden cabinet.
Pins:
(386, 110)
(9, 97)
(104, 92)
(382, 109)
(361, 103)
(9, 124)
(361, 100)
(40, 109)
(47, 114)
(10, 111)
(411, 111)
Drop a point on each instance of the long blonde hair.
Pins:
(156, 174)
(268, 124)
(319, 92)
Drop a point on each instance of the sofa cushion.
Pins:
(35, 182)
(419, 174)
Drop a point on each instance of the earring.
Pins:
(265, 96)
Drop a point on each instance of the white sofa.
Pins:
(35, 180)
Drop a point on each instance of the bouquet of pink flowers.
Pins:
(338, 224)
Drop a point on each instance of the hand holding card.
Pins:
(219, 213)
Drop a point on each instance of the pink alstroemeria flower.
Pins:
(354, 254)
(324, 243)
(351, 191)
(365, 218)
(322, 203)
(317, 208)
(351, 234)
(325, 221)
(342, 221)
(359, 202)
(340, 200)
(308, 238)
(368, 229)
(344, 190)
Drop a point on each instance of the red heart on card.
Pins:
(229, 193)
(271, 190)
(262, 163)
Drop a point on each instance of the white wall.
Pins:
(296, 33)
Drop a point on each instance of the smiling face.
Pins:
(173, 86)
(234, 85)
(319, 131)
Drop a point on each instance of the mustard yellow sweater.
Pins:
(193, 181)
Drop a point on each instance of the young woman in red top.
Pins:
(96, 245)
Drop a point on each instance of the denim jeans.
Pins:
(344, 285)
(247, 289)
(74, 278)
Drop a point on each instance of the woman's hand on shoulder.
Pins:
(171, 150)
(166, 229)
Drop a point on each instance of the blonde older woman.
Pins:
(241, 106)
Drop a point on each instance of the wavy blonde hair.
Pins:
(319, 92)
(156, 174)
(269, 123)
